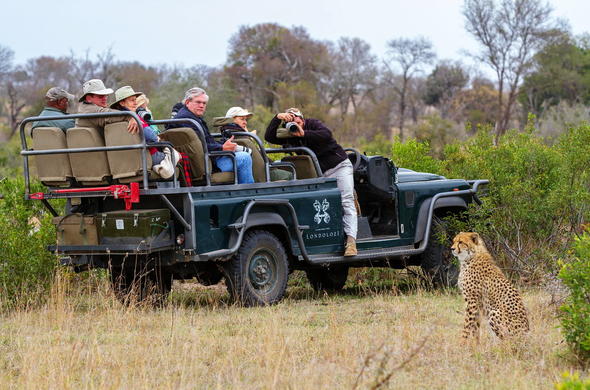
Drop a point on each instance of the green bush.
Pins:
(572, 382)
(415, 155)
(26, 267)
(575, 313)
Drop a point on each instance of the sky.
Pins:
(191, 32)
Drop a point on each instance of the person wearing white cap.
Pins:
(238, 121)
(94, 100)
(56, 103)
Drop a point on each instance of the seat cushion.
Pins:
(90, 168)
(52, 169)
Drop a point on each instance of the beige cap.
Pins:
(96, 87)
(57, 93)
(237, 111)
(123, 93)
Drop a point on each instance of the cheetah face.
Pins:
(464, 245)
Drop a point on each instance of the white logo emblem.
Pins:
(321, 211)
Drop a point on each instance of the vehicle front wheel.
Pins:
(257, 275)
(331, 278)
(437, 261)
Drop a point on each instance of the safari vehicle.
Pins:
(148, 231)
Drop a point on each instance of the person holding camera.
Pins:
(332, 158)
(126, 100)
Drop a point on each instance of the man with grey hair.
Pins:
(195, 103)
(56, 104)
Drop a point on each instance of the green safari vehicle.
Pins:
(201, 224)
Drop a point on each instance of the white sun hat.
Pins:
(238, 111)
(96, 87)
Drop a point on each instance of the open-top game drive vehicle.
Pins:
(148, 231)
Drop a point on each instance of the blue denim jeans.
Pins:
(244, 165)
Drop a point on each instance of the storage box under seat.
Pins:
(76, 229)
(134, 226)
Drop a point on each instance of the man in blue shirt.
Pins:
(57, 101)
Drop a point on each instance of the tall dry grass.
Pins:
(362, 338)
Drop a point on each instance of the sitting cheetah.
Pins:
(486, 290)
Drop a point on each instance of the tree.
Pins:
(443, 84)
(353, 76)
(262, 56)
(509, 34)
(410, 55)
(561, 73)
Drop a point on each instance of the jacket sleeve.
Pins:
(271, 132)
(316, 131)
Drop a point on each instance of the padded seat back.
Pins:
(303, 166)
(90, 168)
(186, 141)
(258, 163)
(52, 169)
(125, 164)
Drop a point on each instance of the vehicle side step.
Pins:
(383, 253)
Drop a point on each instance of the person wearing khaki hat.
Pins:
(126, 100)
(94, 100)
(56, 103)
(333, 160)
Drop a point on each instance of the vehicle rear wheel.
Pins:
(437, 260)
(257, 275)
(144, 281)
(331, 278)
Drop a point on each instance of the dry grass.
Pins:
(357, 339)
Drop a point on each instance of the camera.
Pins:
(292, 127)
(144, 114)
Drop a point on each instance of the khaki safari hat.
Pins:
(238, 111)
(57, 93)
(96, 87)
(123, 93)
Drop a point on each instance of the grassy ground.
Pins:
(379, 337)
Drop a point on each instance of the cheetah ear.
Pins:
(475, 238)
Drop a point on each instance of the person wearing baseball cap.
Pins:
(56, 104)
(94, 100)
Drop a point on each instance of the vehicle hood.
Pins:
(407, 175)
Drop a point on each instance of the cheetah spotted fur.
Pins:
(486, 290)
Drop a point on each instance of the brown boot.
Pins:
(350, 247)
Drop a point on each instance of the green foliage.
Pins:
(575, 313)
(11, 163)
(378, 146)
(26, 267)
(572, 382)
(415, 155)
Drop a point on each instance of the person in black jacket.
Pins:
(195, 103)
(333, 160)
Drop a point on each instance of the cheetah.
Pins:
(486, 290)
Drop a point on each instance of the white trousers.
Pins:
(343, 173)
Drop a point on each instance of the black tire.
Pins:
(332, 278)
(257, 275)
(143, 282)
(437, 261)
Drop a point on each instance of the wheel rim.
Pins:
(262, 271)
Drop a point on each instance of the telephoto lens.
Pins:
(144, 114)
(292, 127)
